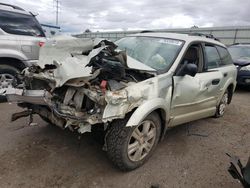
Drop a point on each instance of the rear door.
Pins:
(196, 97)
(8, 43)
(26, 31)
(224, 64)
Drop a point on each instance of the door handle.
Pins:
(215, 81)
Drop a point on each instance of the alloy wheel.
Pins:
(142, 140)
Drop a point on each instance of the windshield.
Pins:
(20, 24)
(157, 53)
(238, 52)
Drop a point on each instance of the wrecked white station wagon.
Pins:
(134, 89)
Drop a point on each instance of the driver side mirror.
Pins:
(190, 69)
(187, 68)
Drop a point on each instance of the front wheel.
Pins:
(129, 147)
(8, 79)
(8, 76)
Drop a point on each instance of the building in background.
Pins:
(227, 35)
(51, 30)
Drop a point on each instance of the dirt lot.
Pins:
(192, 155)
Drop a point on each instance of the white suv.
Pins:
(21, 37)
(135, 89)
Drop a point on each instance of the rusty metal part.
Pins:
(19, 115)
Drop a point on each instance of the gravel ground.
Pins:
(191, 155)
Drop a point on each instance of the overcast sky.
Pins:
(99, 15)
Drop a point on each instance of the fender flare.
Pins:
(146, 108)
(11, 53)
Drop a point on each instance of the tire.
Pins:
(220, 110)
(119, 138)
(8, 77)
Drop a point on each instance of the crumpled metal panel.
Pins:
(119, 103)
(70, 69)
(66, 54)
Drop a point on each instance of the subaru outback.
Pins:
(134, 90)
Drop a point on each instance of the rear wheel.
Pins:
(129, 147)
(220, 111)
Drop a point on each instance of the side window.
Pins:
(20, 24)
(225, 56)
(213, 58)
(193, 55)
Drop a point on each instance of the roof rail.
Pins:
(13, 6)
(239, 43)
(147, 31)
(210, 36)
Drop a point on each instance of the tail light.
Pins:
(41, 44)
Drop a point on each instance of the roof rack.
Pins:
(13, 6)
(210, 36)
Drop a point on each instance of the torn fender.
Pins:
(146, 96)
(146, 108)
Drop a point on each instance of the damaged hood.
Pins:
(243, 61)
(71, 58)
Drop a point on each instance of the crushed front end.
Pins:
(79, 84)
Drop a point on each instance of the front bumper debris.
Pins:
(29, 96)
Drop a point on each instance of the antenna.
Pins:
(57, 10)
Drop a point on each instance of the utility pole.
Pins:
(57, 10)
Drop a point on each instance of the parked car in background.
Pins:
(21, 37)
(241, 57)
(134, 89)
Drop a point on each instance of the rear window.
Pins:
(225, 56)
(213, 58)
(20, 24)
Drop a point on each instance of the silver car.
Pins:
(21, 37)
(133, 90)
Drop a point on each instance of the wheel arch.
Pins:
(162, 114)
(17, 63)
(158, 105)
(229, 87)
(230, 90)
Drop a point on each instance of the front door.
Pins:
(195, 97)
